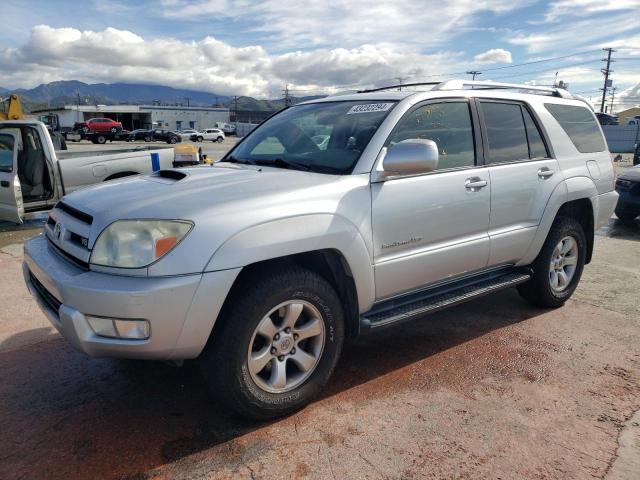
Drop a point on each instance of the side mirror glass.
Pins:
(409, 157)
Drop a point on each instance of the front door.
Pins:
(11, 206)
(433, 227)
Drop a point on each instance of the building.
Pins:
(627, 114)
(143, 116)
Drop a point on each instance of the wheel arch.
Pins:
(573, 197)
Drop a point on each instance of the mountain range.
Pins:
(72, 91)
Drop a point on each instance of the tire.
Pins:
(626, 215)
(172, 140)
(225, 363)
(539, 290)
(220, 139)
(85, 129)
(147, 139)
(101, 139)
(113, 130)
(199, 139)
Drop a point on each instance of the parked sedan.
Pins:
(187, 133)
(139, 134)
(101, 125)
(628, 187)
(165, 136)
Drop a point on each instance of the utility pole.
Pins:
(473, 73)
(613, 96)
(188, 99)
(287, 98)
(400, 80)
(606, 71)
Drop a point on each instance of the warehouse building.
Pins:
(143, 116)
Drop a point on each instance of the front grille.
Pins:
(75, 213)
(76, 261)
(48, 298)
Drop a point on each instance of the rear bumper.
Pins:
(181, 309)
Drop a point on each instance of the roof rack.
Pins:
(475, 84)
(478, 85)
(400, 85)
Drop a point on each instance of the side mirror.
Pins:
(409, 157)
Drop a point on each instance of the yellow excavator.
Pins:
(11, 109)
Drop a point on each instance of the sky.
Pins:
(256, 48)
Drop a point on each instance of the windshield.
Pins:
(326, 137)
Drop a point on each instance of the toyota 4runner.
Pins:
(334, 218)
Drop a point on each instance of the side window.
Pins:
(505, 132)
(537, 149)
(6, 153)
(580, 125)
(448, 124)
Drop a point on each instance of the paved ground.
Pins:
(490, 389)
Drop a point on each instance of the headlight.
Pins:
(137, 243)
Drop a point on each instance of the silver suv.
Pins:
(334, 218)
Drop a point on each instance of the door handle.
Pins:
(475, 183)
(5, 183)
(544, 172)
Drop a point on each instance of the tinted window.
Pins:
(505, 132)
(537, 148)
(448, 124)
(6, 153)
(581, 126)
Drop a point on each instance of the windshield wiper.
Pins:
(280, 162)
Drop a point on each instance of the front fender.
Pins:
(573, 188)
(306, 233)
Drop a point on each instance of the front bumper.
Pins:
(629, 201)
(180, 309)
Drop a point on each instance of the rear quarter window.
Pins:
(580, 125)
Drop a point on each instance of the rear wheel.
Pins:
(558, 267)
(147, 138)
(101, 139)
(220, 139)
(276, 345)
(199, 139)
(172, 140)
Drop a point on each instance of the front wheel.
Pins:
(276, 344)
(558, 267)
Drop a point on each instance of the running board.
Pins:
(396, 311)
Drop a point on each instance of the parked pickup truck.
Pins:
(34, 176)
(265, 263)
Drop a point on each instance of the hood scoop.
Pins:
(170, 175)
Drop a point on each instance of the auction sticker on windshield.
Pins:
(370, 108)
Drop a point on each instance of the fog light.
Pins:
(115, 328)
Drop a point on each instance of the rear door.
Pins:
(523, 175)
(11, 206)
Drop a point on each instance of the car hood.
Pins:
(221, 201)
(631, 174)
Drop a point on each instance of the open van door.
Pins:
(11, 205)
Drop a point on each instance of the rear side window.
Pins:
(505, 131)
(580, 125)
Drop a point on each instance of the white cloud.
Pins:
(349, 23)
(208, 64)
(588, 7)
(495, 55)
